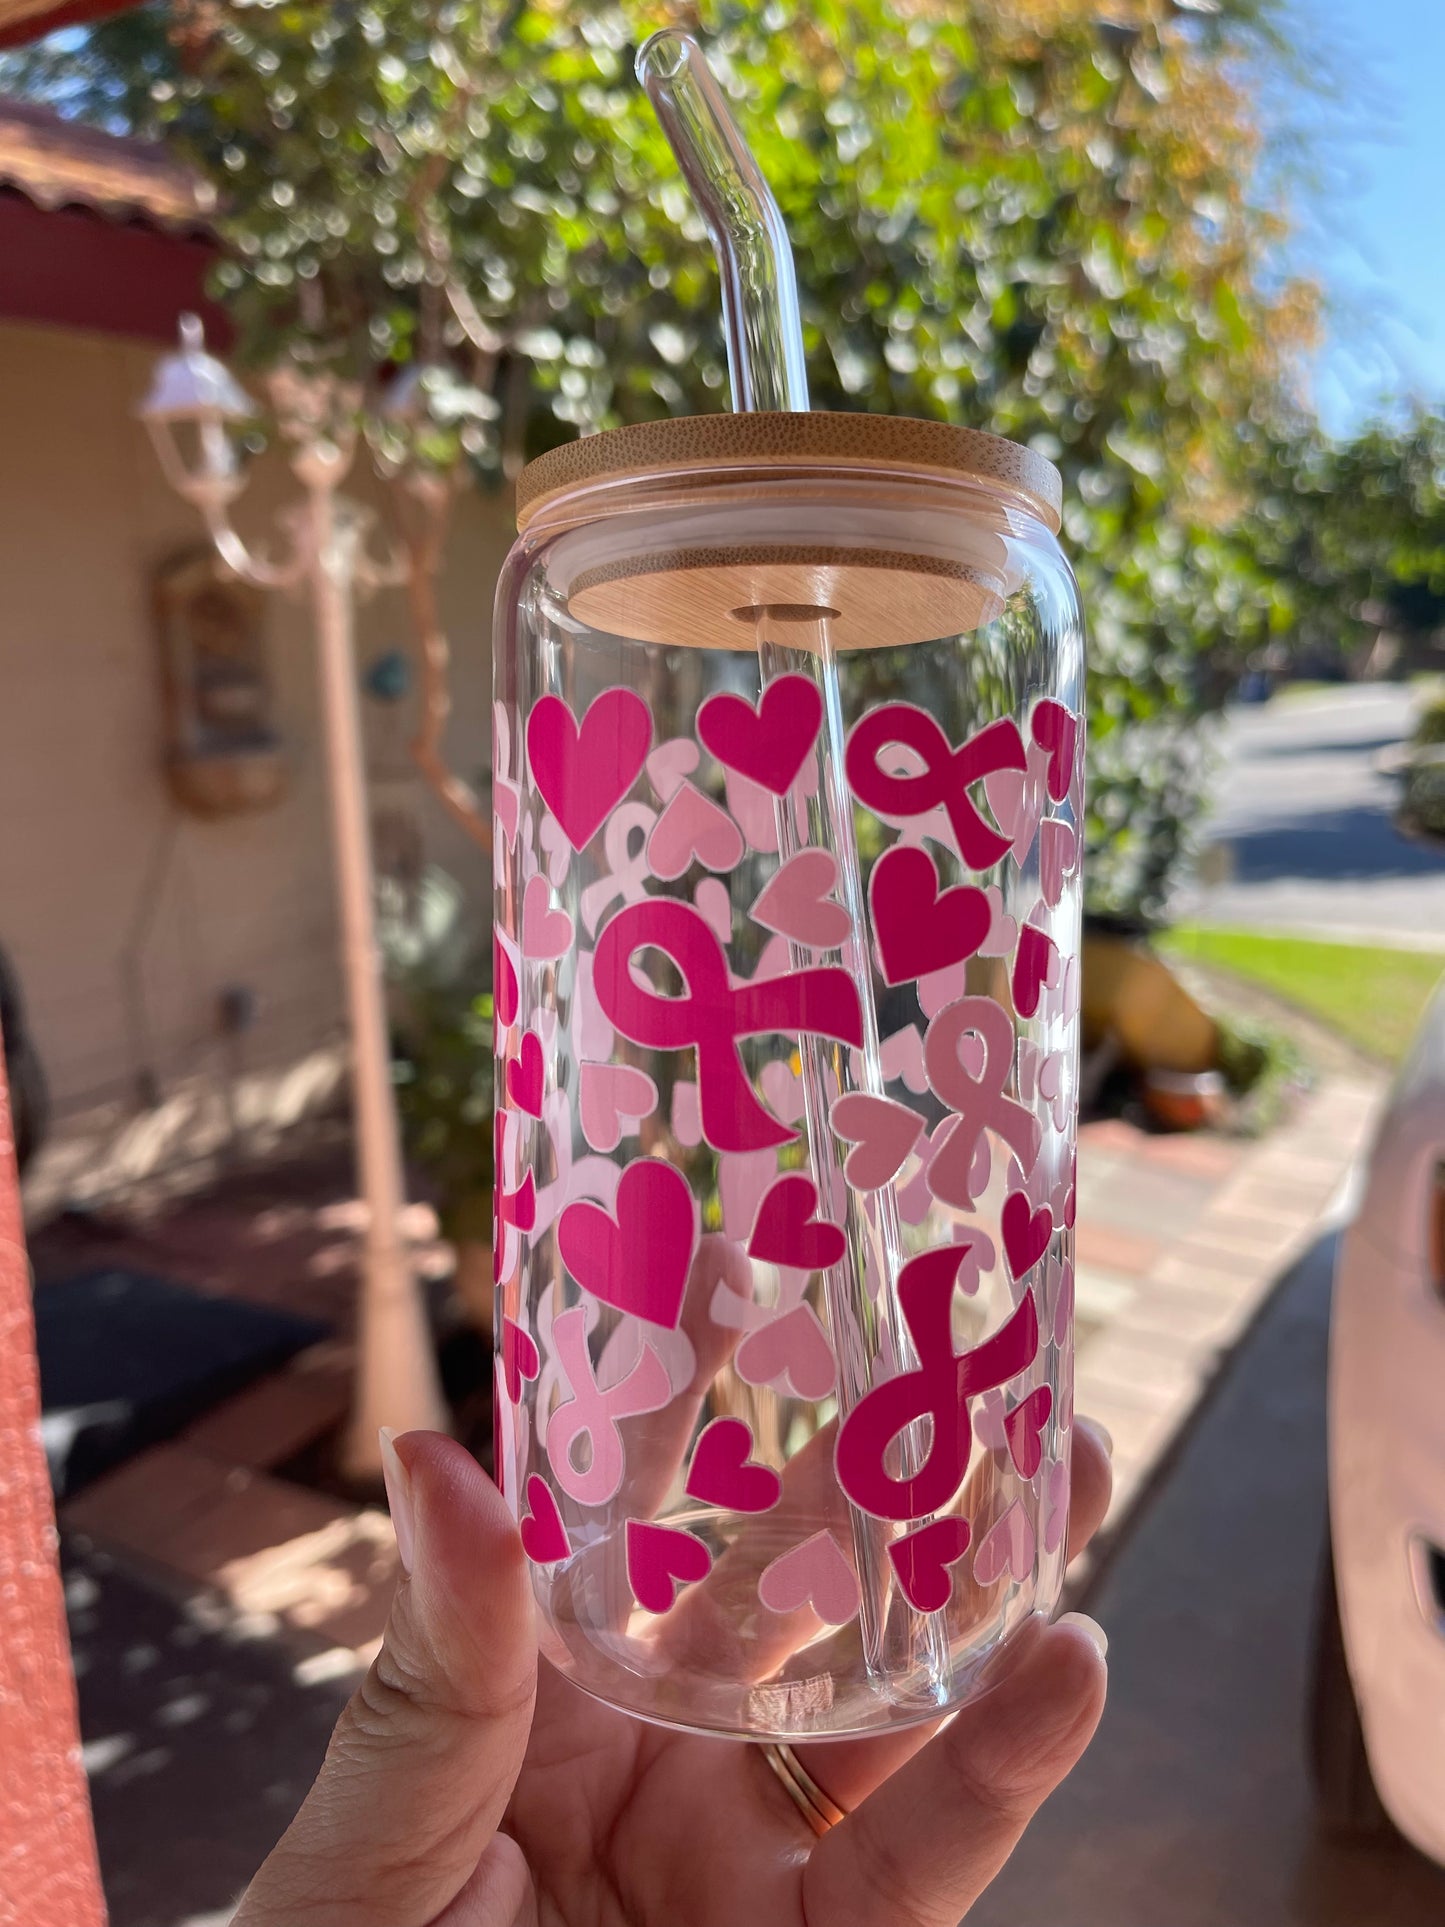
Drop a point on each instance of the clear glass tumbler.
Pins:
(788, 779)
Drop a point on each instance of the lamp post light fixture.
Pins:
(192, 413)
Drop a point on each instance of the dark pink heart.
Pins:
(544, 1537)
(1035, 960)
(583, 774)
(720, 1473)
(519, 1207)
(659, 1560)
(1026, 1232)
(922, 1560)
(1024, 1430)
(769, 744)
(1056, 729)
(504, 982)
(788, 1232)
(520, 1358)
(637, 1261)
(526, 1074)
(921, 929)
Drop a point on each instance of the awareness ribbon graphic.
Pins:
(944, 778)
(979, 1099)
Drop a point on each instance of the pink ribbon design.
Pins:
(944, 778)
(714, 1013)
(627, 874)
(939, 1388)
(595, 1414)
(978, 1097)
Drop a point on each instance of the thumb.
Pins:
(424, 1758)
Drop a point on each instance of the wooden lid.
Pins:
(878, 443)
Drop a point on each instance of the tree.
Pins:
(1012, 213)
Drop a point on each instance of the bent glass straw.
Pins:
(767, 370)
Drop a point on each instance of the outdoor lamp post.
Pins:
(191, 413)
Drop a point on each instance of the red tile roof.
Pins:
(57, 163)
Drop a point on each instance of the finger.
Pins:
(423, 1760)
(849, 1770)
(920, 1850)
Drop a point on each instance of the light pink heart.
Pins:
(901, 1056)
(660, 1560)
(686, 1114)
(882, 1132)
(611, 1096)
(507, 808)
(1003, 929)
(546, 932)
(783, 1089)
(692, 829)
(670, 764)
(755, 812)
(797, 902)
(721, 1475)
(814, 1574)
(794, 1347)
(1007, 1547)
(714, 903)
(1056, 858)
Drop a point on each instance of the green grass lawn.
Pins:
(1372, 997)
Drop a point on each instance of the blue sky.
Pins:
(1374, 232)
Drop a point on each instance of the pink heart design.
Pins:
(754, 812)
(783, 1088)
(670, 763)
(546, 933)
(519, 1207)
(1036, 962)
(526, 1075)
(583, 774)
(637, 1261)
(1057, 851)
(1024, 1428)
(610, 1094)
(686, 1114)
(813, 1574)
(692, 829)
(883, 1132)
(714, 903)
(789, 1233)
(796, 902)
(794, 1346)
(1003, 930)
(922, 1560)
(520, 1358)
(901, 1056)
(1007, 1547)
(1026, 1233)
(544, 1537)
(769, 744)
(1056, 1504)
(659, 1560)
(507, 808)
(504, 983)
(1056, 729)
(720, 1473)
(920, 927)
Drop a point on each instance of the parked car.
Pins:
(1378, 1725)
(29, 1100)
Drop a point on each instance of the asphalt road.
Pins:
(1305, 820)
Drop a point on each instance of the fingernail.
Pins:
(1090, 1628)
(1099, 1432)
(398, 1497)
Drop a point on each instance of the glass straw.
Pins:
(767, 370)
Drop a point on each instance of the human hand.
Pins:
(467, 1787)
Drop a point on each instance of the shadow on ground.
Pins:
(1193, 1807)
(199, 1744)
(1358, 844)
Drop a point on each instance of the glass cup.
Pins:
(788, 772)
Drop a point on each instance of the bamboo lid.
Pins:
(889, 444)
(715, 597)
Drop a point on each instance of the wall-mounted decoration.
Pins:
(223, 751)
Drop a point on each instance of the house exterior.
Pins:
(177, 956)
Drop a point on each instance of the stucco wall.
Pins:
(125, 916)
